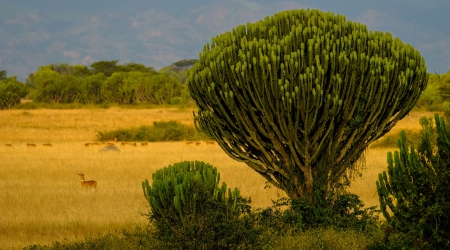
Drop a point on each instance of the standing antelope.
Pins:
(87, 184)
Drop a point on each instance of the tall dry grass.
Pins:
(42, 199)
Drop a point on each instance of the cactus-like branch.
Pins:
(303, 93)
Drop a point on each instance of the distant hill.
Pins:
(158, 33)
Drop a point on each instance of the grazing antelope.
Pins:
(87, 184)
(143, 144)
(47, 145)
(198, 143)
(31, 145)
(189, 142)
(210, 143)
(8, 145)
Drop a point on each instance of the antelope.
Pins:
(198, 143)
(47, 145)
(189, 142)
(210, 143)
(143, 144)
(87, 144)
(8, 145)
(87, 184)
(31, 145)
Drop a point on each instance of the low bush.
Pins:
(337, 210)
(159, 131)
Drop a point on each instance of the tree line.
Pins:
(103, 82)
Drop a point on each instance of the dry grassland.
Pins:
(42, 199)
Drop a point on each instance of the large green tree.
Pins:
(300, 95)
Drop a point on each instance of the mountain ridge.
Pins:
(157, 33)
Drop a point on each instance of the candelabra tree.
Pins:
(300, 95)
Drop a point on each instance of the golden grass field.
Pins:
(42, 200)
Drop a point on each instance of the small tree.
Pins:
(299, 96)
(414, 193)
(11, 91)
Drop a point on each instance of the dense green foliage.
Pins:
(338, 210)
(11, 91)
(414, 193)
(107, 82)
(192, 211)
(159, 131)
(300, 95)
(436, 96)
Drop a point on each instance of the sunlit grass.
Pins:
(42, 199)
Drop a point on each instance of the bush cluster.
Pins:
(159, 131)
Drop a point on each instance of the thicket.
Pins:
(107, 82)
(436, 96)
(158, 131)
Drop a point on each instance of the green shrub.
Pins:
(191, 211)
(338, 210)
(159, 131)
(414, 193)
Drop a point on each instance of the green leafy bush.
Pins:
(159, 131)
(191, 211)
(414, 193)
(339, 210)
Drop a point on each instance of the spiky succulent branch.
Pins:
(300, 95)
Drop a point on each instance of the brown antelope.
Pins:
(87, 184)
(210, 143)
(31, 145)
(8, 145)
(47, 145)
(87, 144)
(189, 142)
(198, 143)
(143, 144)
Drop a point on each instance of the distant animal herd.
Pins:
(113, 143)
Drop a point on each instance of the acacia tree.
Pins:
(300, 95)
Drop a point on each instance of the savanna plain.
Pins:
(42, 200)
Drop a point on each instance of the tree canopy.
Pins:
(300, 95)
